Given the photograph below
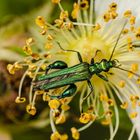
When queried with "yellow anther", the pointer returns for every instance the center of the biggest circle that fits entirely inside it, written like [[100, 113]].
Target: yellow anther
[[106, 17], [39, 92], [132, 28], [65, 107], [129, 40], [110, 102], [127, 13], [32, 67], [75, 133], [55, 1], [31, 109], [138, 81], [18, 66], [90, 109], [59, 22], [43, 32], [27, 49], [124, 105], [133, 115], [40, 21], [103, 97], [84, 4], [97, 27], [125, 31], [60, 119], [138, 35], [106, 122], [47, 56], [122, 83], [113, 6], [86, 117], [58, 136], [132, 20], [29, 41], [64, 15], [113, 15], [35, 56], [46, 97], [48, 45], [109, 113], [43, 66], [54, 104], [75, 10], [130, 75], [134, 67], [50, 37], [11, 68], [130, 47], [134, 98], [69, 25], [20, 100], [30, 74]]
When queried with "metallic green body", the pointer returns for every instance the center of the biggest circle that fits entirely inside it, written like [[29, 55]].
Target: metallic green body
[[67, 76]]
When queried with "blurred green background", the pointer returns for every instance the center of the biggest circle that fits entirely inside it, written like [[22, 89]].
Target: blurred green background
[[16, 24]]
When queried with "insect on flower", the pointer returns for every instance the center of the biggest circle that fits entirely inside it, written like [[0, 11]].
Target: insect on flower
[[92, 58]]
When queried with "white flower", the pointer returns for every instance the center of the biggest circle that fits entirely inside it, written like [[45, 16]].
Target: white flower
[[103, 30]]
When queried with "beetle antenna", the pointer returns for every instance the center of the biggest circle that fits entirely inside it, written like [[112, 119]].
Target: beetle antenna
[[128, 71], [64, 49], [117, 41]]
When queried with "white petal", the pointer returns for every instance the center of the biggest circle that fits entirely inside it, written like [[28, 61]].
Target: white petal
[[102, 5]]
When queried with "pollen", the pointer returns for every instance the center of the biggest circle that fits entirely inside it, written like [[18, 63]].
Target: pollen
[[58, 136], [97, 27], [31, 109], [54, 104], [110, 102], [27, 49], [133, 115], [84, 5], [35, 56], [11, 68], [64, 15], [55, 1], [128, 13], [125, 31], [134, 67], [50, 37], [39, 92], [103, 97], [106, 17], [86, 117], [113, 6], [40, 21], [75, 133], [132, 20], [29, 41], [20, 99], [75, 10], [60, 119], [46, 97], [113, 15], [138, 35], [106, 122], [65, 107], [124, 105], [122, 83], [138, 81], [32, 67], [48, 45]]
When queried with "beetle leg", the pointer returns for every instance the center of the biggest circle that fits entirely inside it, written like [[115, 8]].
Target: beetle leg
[[91, 90], [56, 65], [78, 53], [102, 77], [67, 93]]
